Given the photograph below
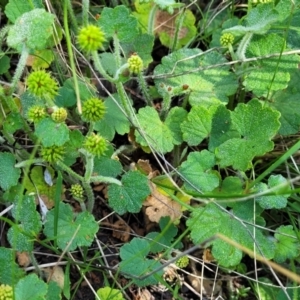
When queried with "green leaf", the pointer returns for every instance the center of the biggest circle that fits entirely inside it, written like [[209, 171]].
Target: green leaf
[[84, 225], [10, 272], [13, 122], [207, 221], [106, 166], [9, 175], [24, 211], [16, 8], [270, 74], [287, 247], [54, 291], [30, 288], [282, 192], [4, 64], [114, 119], [107, 293], [256, 124], [162, 136], [118, 22], [197, 125], [258, 21], [51, 133], [32, 29], [134, 262], [130, 196], [203, 86], [196, 172]]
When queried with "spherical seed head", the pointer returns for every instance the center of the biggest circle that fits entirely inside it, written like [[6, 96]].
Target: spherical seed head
[[182, 262], [226, 39], [53, 153], [93, 110], [135, 64], [95, 144], [40, 84], [59, 115], [36, 113], [6, 292], [76, 191], [90, 38]]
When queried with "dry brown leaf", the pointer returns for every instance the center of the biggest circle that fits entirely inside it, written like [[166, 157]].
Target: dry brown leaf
[[121, 231], [55, 274], [145, 295], [207, 256], [158, 205], [23, 259]]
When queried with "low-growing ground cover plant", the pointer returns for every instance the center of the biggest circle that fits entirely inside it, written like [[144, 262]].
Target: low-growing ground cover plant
[[149, 149]]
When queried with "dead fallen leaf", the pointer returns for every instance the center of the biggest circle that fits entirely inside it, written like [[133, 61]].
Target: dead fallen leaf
[[55, 274], [121, 231], [207, 256], [23, 259], [158, 205]]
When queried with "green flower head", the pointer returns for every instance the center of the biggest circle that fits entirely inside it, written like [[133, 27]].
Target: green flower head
[[41, 84], [95, 144], [77, 191], [226, 39], [6, 292], [53, 153], [59, 115], [93, 110], [36, 113], [90, 38], [135, 64], [182, 262]]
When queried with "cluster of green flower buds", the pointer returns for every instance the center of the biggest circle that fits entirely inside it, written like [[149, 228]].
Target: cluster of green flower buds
[[52, 154], [93, 109], [77, 191], [135, 64], [90, 38], [182, 262], [6, 292], [36, 113], [59, 115], [95, 144], [226, 39]]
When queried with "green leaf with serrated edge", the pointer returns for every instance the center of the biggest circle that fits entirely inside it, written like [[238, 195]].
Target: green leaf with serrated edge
[[256, 124], [114, 119], [53, 292], [287, 103], [222, 128], [197, 126], [51, 133], [159, 241], [75, 142], [196, 171], [9, 175], [109, 64], [130, 196], [15, 8], [13, 122], [162, 136], [207, 221], [118, 22], [287, 247], [84, 225], [10, 272], [284, 9], [258, 20], [30, 288], [273, 201], [134, 262], [142, 45], [203, 86], [30, 223], [32, 29], [4, 64], [270, 74], [107, 293]]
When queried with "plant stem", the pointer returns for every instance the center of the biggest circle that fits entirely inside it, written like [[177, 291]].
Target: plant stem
[[241, 51], [90, 196], [99, 67], [65, 168], [144, 88], [85, 12], [68, 9]]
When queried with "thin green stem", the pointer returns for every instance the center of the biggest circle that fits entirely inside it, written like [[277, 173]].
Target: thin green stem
[[241, 51], [90, 196], [151, 20], [68, 10], [68, 170], [144, 88], [71, 56], [85, 12], [117, 51]]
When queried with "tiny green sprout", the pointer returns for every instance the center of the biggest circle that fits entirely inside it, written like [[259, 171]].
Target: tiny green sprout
[[77, 191], [182, 262], [95, 144], [6, 292], [135, 64], [90, 38], [59, 115], [93, 109], [36, 113], [226, 39], [40, 84], [53, 153]]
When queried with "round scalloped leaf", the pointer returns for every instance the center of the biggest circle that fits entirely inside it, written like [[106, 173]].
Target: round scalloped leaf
[[107, 293], [273, 73], [162, 136], [9, 175], [51, 133], [204, 86], [32, 29], [130, 196], [118, 21]]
